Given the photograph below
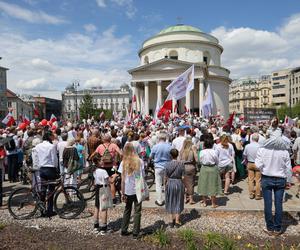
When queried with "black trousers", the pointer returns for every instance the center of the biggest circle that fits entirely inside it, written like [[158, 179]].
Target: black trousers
[[12, 162], [130, 199], [48, 174]]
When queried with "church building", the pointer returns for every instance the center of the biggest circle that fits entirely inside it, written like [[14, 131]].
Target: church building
[[168, 54]]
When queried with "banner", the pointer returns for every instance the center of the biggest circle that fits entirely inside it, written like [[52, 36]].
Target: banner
[[258, 114], [182, 84]]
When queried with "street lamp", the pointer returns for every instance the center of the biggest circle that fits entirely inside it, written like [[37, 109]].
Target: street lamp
[[75, 85]]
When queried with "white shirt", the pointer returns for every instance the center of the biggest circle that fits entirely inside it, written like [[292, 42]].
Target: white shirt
[[261, 139], [208, 157], [274, 163], [250, 151], [45, 155], [178, 142], [60, 149], [101, 176], [225, 155], [130, 180]]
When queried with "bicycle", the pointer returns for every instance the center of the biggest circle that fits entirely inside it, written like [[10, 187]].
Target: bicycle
[[149, 173], [86, 186], [24, 202]]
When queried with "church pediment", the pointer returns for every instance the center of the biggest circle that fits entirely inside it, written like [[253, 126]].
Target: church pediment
[[165, 64]]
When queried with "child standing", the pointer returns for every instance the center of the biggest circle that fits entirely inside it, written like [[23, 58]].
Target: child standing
[[103, 199]]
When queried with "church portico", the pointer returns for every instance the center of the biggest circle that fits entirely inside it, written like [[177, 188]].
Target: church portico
[[157, 71]]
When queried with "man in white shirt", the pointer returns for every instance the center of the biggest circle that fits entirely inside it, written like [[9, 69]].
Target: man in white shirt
[[254, 174], [178, 142], [60, 149], [275, 166], [45, 157]]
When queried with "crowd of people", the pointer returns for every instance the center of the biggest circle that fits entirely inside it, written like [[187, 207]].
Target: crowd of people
[[187, 152]]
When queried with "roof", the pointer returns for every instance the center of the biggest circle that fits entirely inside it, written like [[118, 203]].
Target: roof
[[9, 93], [179, 28]]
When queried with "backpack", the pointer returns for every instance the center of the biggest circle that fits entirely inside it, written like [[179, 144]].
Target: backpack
[[10, 145], [107, 158]]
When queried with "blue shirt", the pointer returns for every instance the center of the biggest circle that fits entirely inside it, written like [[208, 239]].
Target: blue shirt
[[160, 154]]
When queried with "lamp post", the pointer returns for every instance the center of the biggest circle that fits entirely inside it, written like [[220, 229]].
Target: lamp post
[[75, 85]]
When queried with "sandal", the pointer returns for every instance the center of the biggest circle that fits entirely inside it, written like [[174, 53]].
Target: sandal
[[215, 206], [204, 204], [192, 202]]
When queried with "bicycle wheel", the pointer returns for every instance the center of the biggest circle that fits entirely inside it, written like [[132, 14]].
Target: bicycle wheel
[[69, 202], [149, 177], [22, 204], [87, 189]]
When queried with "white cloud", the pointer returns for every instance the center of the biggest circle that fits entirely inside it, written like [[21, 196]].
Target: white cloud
[[101, 3], [35, 84], [49, 65], [250, 51], [130, 9], [44, 65], [90, 27], [27, 15]]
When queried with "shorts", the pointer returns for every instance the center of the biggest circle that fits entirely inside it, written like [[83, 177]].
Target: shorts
[[97, 201], [226, 169], [110, 171]]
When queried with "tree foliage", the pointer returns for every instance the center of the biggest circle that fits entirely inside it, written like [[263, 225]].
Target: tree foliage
[[87, 109], [286, 110]]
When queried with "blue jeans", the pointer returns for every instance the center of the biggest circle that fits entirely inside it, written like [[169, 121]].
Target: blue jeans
[[270, 185]]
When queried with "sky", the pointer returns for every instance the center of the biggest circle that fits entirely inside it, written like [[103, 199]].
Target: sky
[[47, 44]]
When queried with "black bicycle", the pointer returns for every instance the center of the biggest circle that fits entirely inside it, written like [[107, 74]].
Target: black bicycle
[[24, 202], [149, 173]]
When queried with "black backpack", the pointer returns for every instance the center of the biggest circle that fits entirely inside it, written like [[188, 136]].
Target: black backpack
[[10, 145]]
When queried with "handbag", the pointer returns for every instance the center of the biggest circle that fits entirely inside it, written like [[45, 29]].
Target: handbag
[[142, 191], [105, 198], [73, 164]]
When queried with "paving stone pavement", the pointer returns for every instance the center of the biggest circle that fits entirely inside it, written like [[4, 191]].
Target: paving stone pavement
[[237, 200]]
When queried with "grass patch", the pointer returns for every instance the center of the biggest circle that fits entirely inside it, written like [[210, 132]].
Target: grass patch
[[188, 236], [2, 226], [217, 241], [160, 237]]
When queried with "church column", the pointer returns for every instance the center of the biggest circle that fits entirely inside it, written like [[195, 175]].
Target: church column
[[188, 101], [134, 93], [146, 85], [159, 91], [201, 94]]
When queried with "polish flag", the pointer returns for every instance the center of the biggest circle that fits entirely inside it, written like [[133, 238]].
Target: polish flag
[[8, 120], [53, 118], [26, 120], [35, 111]]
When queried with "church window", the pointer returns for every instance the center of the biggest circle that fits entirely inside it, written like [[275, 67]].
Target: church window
[[146, 60], [173, 55], [206, 57]]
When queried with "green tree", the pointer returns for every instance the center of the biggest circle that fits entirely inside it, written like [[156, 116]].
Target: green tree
[[86, 108]]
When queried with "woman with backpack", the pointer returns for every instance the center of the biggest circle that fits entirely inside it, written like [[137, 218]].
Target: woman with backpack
[[109, 153]]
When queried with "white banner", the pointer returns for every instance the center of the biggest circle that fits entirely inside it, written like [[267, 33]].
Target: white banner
[[182, 84]]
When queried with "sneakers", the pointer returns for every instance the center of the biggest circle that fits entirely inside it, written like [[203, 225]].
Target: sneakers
[[125, 233], [159, 204], [251, 196], [102, 232]]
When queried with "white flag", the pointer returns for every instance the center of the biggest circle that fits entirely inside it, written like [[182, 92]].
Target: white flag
[[158, 104], [182, 84], [207, 104]]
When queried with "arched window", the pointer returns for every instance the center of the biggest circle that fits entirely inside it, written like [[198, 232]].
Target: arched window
[[173, 55], [146, 60], [206, 57]]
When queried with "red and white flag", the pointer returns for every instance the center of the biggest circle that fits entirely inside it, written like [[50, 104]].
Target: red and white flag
[[289, 122], [8, 120], [35, 111], [26, 120], [183, 84], [53, 118]]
